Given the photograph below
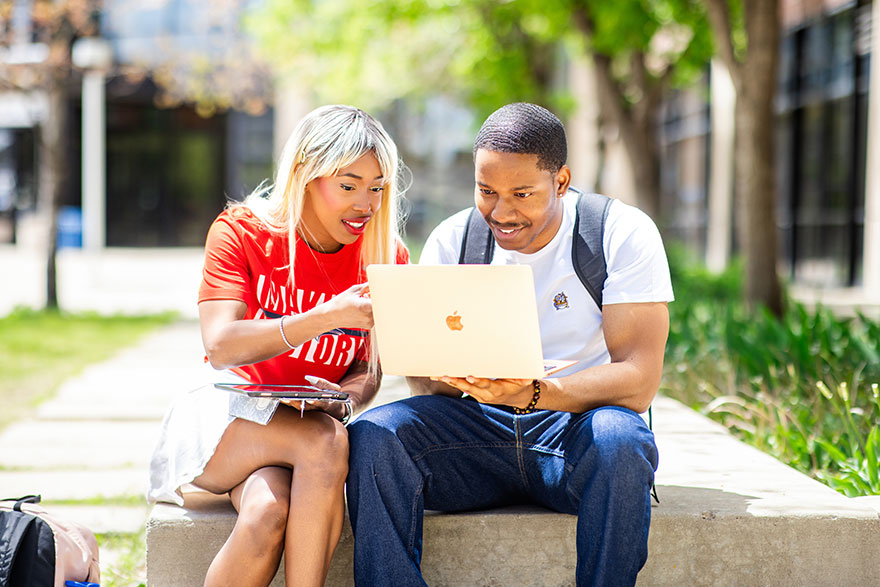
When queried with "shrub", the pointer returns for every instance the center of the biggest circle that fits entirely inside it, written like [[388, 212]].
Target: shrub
[[803, 388]]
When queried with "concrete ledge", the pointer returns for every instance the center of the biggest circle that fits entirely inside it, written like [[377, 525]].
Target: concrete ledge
[[729, 515]]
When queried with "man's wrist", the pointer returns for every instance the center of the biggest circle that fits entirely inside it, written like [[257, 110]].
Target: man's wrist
[[533, 401]]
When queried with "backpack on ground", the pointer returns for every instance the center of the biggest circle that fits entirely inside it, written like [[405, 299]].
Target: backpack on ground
[[38, 549], [587, 249]]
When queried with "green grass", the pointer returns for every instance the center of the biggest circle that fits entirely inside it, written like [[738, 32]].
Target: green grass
[[804, 387], [123, 559], [40, 349], [116, 500]]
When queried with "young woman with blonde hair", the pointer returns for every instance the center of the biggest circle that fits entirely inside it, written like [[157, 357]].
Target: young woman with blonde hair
[[283, 300]]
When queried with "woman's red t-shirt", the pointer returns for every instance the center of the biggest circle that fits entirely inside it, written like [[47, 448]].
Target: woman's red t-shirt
[[246, 261]]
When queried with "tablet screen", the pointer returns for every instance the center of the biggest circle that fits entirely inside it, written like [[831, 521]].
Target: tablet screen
[[303, 392]]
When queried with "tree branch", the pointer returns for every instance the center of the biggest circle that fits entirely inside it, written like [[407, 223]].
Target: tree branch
[[719, 17], [638, 70], [611, 94], [652, 93], [612, 100]]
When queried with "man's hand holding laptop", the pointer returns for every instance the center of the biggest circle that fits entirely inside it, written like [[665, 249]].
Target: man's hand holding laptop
[[510, 392]]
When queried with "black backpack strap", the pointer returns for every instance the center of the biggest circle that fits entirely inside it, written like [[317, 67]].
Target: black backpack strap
[[588, 258], [651, 428], [477, 243], [25, 499], [587, 253]]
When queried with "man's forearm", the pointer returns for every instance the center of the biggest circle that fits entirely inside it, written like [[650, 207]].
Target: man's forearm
[[424, 386]]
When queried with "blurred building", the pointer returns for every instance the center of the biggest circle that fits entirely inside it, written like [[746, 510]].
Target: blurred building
[[169, 166], [822, 149], [165, 166], [162, 165]]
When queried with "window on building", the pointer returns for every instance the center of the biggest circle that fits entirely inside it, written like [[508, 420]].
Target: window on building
[[18, 186], [821, 148]]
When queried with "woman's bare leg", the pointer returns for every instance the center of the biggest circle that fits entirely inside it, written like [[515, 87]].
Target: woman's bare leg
[[251, 554], [315, 447]]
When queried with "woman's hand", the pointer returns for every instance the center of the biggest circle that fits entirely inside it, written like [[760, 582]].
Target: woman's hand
[[336, 409], [350, 309]]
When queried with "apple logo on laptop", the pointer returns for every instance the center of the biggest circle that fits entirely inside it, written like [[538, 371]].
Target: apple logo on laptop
[[453, 321]]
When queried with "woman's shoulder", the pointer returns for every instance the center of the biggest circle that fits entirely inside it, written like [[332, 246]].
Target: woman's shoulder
[[239, 227], [238, 214], [241, 219]]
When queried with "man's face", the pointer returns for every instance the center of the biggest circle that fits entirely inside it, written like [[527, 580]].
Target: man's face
[[521, 203]]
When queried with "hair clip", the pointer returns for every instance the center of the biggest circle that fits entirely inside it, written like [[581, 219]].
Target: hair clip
[[302, 156]]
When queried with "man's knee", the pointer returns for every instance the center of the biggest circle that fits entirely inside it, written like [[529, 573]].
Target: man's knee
[[620, 435], [374, 433], [612, 444], [385, 440]]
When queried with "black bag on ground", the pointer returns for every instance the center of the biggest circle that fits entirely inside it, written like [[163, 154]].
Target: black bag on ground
[[27, 548]]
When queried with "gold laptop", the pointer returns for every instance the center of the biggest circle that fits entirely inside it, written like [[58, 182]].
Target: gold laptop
[[457, 320]]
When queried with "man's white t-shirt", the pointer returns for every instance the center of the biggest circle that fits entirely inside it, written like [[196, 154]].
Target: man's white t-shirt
[[570, 321]]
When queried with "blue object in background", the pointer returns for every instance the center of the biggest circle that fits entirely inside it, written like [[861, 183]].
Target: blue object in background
[[80, 584], [69, 227]]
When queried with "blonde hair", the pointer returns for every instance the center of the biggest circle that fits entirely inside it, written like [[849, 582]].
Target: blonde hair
[[326, 140]]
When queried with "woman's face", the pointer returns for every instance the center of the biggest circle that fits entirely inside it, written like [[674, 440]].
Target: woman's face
[[337, 208]]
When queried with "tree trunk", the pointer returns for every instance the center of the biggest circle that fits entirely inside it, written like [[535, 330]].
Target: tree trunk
[[756, 198], [53, 168], [754, 77], [644, 157], [637, 132], [755, 156]]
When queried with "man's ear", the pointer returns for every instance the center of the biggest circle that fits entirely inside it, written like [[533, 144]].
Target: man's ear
[[563, 180]]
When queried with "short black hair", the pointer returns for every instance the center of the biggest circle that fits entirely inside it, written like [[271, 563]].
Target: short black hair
[[528, 129]]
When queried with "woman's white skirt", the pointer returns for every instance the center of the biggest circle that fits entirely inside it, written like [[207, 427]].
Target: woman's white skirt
[[190, 433]]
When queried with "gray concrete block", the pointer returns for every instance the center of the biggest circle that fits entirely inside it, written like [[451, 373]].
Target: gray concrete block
[[529, 546], [510, 546], [709, 537], [729, 515]]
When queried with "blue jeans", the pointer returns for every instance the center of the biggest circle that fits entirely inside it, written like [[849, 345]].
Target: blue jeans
[[451, 454]]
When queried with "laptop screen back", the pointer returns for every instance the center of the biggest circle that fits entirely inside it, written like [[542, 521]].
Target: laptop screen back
[[456, 320]]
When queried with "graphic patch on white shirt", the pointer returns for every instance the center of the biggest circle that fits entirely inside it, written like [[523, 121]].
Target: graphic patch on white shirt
[[560, 301]]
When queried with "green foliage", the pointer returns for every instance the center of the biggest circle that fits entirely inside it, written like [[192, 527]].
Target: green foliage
[[803, 388], [485, 52], [39, 349]]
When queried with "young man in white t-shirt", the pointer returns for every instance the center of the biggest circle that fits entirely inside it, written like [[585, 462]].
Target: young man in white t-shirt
[[573, 442]]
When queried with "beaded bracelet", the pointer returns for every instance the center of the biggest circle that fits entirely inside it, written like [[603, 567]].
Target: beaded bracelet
[[284, 336], [536, 385]]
